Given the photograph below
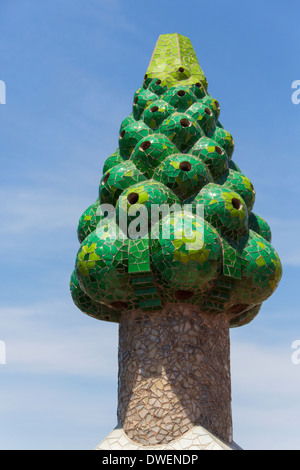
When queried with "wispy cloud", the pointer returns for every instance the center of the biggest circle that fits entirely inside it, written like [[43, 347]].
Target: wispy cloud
[[262, 427], [265, 387], [265, 383], [261, 369], [80, 346], [61, 373], [32, 210]]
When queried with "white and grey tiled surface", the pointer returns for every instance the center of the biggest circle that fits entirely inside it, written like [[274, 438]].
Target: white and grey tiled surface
[[195, 439]]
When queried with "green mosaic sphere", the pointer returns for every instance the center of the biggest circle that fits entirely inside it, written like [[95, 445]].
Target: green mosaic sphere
[[180, 97], [224, 209], [204, 116], [130, 137], [182, 130], [238, 182], [260, 226], [142, 98], [214, 156], [141, 198], [102, 268], [90, 307], [89, 221], [184, 174], [128, 120], [261, 272], [116, 180], [156, 113], [147, 80], [198, 90], [151, 151], [212, 104], [158, 86], [224, 139], [186, 263], [113, 160]]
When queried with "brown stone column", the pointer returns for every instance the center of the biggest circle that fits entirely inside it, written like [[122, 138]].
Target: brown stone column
[[174, 373]]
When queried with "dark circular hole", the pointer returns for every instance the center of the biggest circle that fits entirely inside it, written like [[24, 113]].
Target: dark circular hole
[[238, 308], [132, 198], [145, 77], [208, 111], [122, 134], [236, 203], [185, 166], [185, 122], [219, 150], [158, 82], [105, 178], [108, 214], [181, 93], [198, 85], [181, 69], [119, 305], [135, 100], [154, 109], [217, 104], [145, 145], [183, 294]]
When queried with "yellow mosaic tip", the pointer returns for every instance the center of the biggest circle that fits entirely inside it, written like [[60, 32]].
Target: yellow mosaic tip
[[174, 60]]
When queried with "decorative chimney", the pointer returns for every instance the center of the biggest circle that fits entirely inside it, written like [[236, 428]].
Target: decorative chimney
[[173, 252]]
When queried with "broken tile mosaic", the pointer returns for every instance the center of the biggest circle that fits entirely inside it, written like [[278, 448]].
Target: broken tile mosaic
[[173, 149], [178, 283]]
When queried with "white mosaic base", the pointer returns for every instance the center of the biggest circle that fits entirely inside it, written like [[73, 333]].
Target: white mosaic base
[[195, 439]]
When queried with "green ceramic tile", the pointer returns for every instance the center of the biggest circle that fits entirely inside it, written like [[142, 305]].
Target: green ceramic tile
[[173, 150]]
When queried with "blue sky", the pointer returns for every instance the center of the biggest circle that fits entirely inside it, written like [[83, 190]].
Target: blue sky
[[71, 68]]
